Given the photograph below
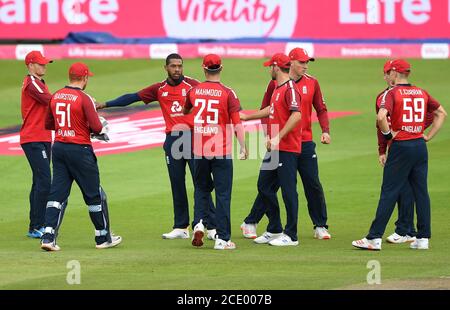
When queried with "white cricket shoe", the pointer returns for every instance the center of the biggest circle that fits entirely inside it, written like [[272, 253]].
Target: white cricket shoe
[[249, 230], [321, 233], [224, 245], [211, 234], [419, 244], [366, 244], [396, 238], [115, 240], [49, 246], [197, 236], [266, 237], [283, 240], [177, 233]]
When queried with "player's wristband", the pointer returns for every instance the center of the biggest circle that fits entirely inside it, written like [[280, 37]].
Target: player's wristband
[[387, 135]]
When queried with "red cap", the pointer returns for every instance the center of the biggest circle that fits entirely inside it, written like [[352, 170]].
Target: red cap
[[212, 62], [36, 57], [387, 66], [300, 54], [80, 69], [400, 66], [280, 60]]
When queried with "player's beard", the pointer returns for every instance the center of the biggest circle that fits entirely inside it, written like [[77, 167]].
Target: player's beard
[[178, 80]]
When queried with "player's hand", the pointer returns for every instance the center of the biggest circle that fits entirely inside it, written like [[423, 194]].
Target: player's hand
[[242, 116], [100, 105], [325, 138], [272, 143], [425, 137], [394, 133], [382, 159], [243, 155]]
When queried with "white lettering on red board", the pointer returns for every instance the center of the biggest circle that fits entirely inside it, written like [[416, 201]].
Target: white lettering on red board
[[54, 11], [415, 12], [229, 19]]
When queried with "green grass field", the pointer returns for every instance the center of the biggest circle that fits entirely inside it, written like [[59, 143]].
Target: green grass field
[[141, 207]]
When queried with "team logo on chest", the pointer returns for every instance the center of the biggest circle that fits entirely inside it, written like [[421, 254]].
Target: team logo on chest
[[305, 89], [183, 92], [165, 94], [277, 97], [176, 107]]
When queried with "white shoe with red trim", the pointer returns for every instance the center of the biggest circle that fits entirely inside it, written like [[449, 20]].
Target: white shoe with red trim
[[366, 244], [249, 230], [321, 233]]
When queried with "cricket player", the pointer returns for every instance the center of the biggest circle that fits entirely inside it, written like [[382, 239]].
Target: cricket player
[[407, 106], [35, 140], [73, 116], [307, 168], [404, 226], [171, 95], [215, 108], [285, 142]]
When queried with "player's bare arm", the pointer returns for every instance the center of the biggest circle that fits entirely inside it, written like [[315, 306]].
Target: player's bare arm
[[257, 115], [439, 117], [384, 125], [382, 159], [240, 135]]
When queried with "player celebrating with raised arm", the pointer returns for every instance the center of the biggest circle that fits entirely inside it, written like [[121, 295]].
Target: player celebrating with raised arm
[[285, 142], [407, 106], [307, 165], [171, 95], [35, 140], [73, 116], [215, 108]]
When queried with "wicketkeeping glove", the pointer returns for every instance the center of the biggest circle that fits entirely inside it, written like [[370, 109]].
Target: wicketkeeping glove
[[103, 135]]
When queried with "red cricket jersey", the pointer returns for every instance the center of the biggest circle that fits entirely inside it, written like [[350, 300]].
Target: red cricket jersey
[[408, 107], [34, 104], [213, 105], [382, 142], [311, 95], [285, 100], [266, 99], [171, 98], [73, 116]]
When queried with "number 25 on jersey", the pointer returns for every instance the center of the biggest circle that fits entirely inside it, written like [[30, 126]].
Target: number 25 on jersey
[[210, 109]]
